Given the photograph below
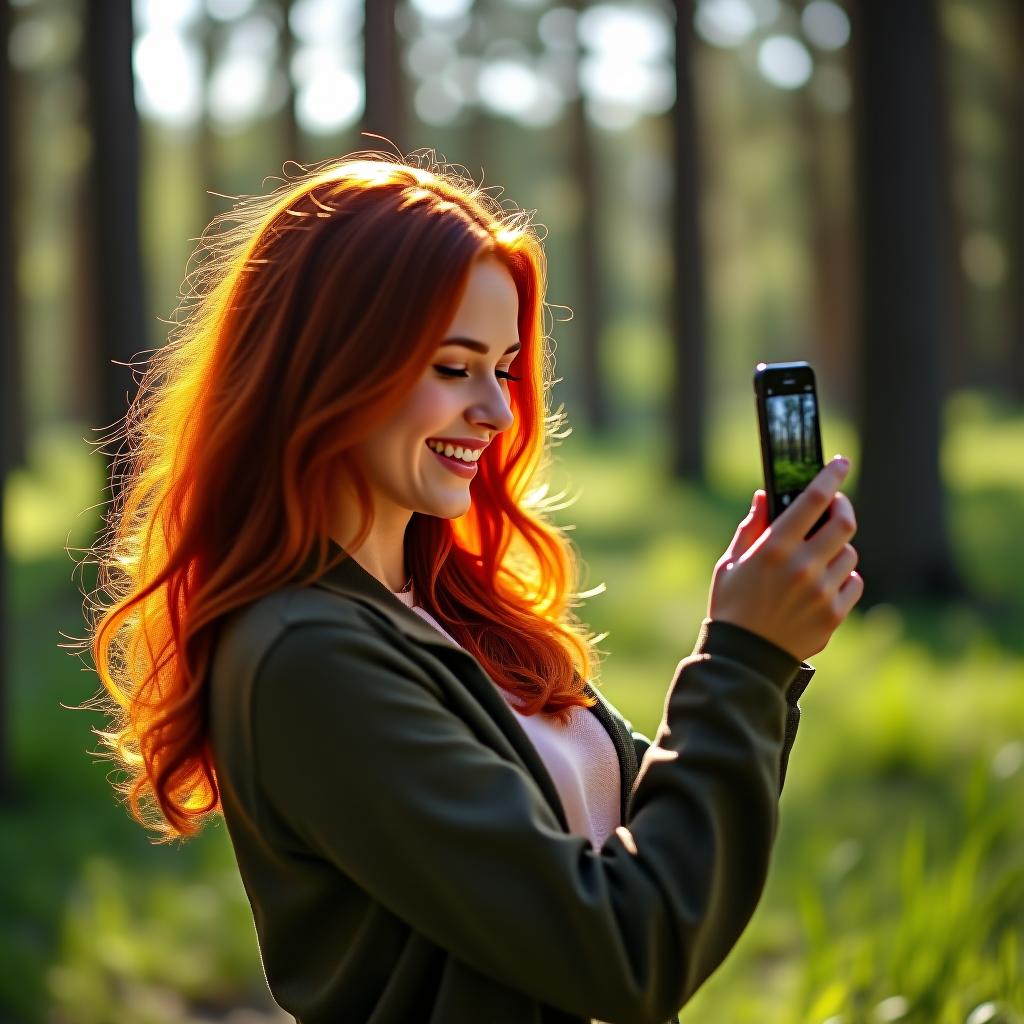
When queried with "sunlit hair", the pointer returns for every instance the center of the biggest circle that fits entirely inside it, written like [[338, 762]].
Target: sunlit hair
[[305, 326]]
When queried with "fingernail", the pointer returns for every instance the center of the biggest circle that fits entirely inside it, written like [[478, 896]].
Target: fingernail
[[841, 461]]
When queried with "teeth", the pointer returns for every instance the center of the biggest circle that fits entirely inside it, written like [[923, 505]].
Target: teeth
[[458, 452]]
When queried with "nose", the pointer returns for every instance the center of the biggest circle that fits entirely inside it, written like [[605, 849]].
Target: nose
[[495, 413]]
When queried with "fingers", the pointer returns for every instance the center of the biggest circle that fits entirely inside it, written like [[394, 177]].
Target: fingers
[[795, 523], [837, 571], [837, 531], [749, 529], [849, 594]]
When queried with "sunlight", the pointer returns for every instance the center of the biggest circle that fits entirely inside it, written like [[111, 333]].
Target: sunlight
[[228, 10], [508, 86], [326, 22], [633, 33], [332, 100], [238, 90], [825, 24], [784, 61], [165, 13], [167, 76], [725, 23], [442, 9], [632, 88], [625, 71]]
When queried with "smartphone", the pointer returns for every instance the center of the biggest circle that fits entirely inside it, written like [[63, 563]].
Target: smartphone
[[787, 417]]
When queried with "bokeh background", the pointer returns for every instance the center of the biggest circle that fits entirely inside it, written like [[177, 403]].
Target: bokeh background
[[720, 182]]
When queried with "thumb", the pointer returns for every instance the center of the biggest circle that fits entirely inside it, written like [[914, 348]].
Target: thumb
[[750, 528]]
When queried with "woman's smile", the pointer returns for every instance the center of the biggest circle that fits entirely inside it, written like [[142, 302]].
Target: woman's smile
[[467, 470]]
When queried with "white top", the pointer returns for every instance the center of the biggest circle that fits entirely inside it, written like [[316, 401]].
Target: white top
[[580, 757]]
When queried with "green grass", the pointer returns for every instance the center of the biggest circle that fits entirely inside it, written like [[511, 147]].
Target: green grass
[[896, 891]]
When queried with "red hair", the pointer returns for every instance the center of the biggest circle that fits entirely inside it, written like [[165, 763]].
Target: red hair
[[293, 349]]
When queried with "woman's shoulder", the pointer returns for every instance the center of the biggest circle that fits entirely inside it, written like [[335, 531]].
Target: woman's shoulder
[[250, 632]]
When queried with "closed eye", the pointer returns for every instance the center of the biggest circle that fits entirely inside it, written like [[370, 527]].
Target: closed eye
[[451, 371]]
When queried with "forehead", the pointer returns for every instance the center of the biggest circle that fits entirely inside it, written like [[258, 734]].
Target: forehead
[[489, 302]]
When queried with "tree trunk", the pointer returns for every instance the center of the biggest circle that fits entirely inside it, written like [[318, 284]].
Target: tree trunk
[[85, 362], [206, 147], [832, 312], [13, 412], [114, 183], [382, 77], [15, 426], [902, 537], [293, 148], [480, 141], [587, 309], [687, 405], [963, 367], [1015, 351]]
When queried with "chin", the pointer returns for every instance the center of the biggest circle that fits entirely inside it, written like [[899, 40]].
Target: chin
[[453, 513], [452, 509]]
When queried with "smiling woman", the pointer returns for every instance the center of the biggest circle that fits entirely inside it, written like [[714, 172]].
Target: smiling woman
[[339, 616], [340, 301]]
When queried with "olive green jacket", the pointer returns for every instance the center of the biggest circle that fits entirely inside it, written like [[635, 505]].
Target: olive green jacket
[[405, 851]]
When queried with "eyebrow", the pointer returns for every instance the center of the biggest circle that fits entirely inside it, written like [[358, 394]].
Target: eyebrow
[[478, 346]]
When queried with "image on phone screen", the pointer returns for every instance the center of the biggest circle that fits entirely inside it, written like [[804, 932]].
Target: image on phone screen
[[793, 438]]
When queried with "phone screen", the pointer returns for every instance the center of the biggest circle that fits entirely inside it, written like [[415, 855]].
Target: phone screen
[[787, 406], [793, 438]]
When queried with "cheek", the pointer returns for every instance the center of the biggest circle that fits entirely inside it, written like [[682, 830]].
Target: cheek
[[430, 408]]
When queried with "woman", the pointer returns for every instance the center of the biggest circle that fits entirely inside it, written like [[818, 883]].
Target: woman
[[342, 619]]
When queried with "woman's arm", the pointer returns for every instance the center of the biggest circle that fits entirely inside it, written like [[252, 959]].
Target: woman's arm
[[641, 743], [360, 756]]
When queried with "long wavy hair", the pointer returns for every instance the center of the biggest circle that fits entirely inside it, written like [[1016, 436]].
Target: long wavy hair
[[308, 319]]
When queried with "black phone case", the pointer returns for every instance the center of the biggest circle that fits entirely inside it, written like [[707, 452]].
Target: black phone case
[[761, 372]]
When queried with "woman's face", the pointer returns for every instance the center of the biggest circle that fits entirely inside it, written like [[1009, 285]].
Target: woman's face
[[461, 396]]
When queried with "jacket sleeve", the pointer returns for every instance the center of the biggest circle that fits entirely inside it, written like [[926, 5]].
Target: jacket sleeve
[[357, 751], [793, 692], [642, 743]]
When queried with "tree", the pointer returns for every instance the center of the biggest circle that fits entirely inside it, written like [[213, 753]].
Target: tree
[[10, 343], [209, 33], [113, 181], [903, 215], [14, 446], [829, 227], [1015, 375], [286, 51], [588, 308], [687, 410], [382, 74], [478, 137]]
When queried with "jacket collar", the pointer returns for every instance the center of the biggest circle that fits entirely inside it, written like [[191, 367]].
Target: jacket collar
[[350, 579]]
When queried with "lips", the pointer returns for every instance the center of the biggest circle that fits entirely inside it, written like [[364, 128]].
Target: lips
[[472, 443], [464, 469]]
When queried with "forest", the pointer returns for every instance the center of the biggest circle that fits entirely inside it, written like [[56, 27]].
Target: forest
[[719, 183]]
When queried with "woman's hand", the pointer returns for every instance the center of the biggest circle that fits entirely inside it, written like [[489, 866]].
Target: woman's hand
[[792, 591]]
